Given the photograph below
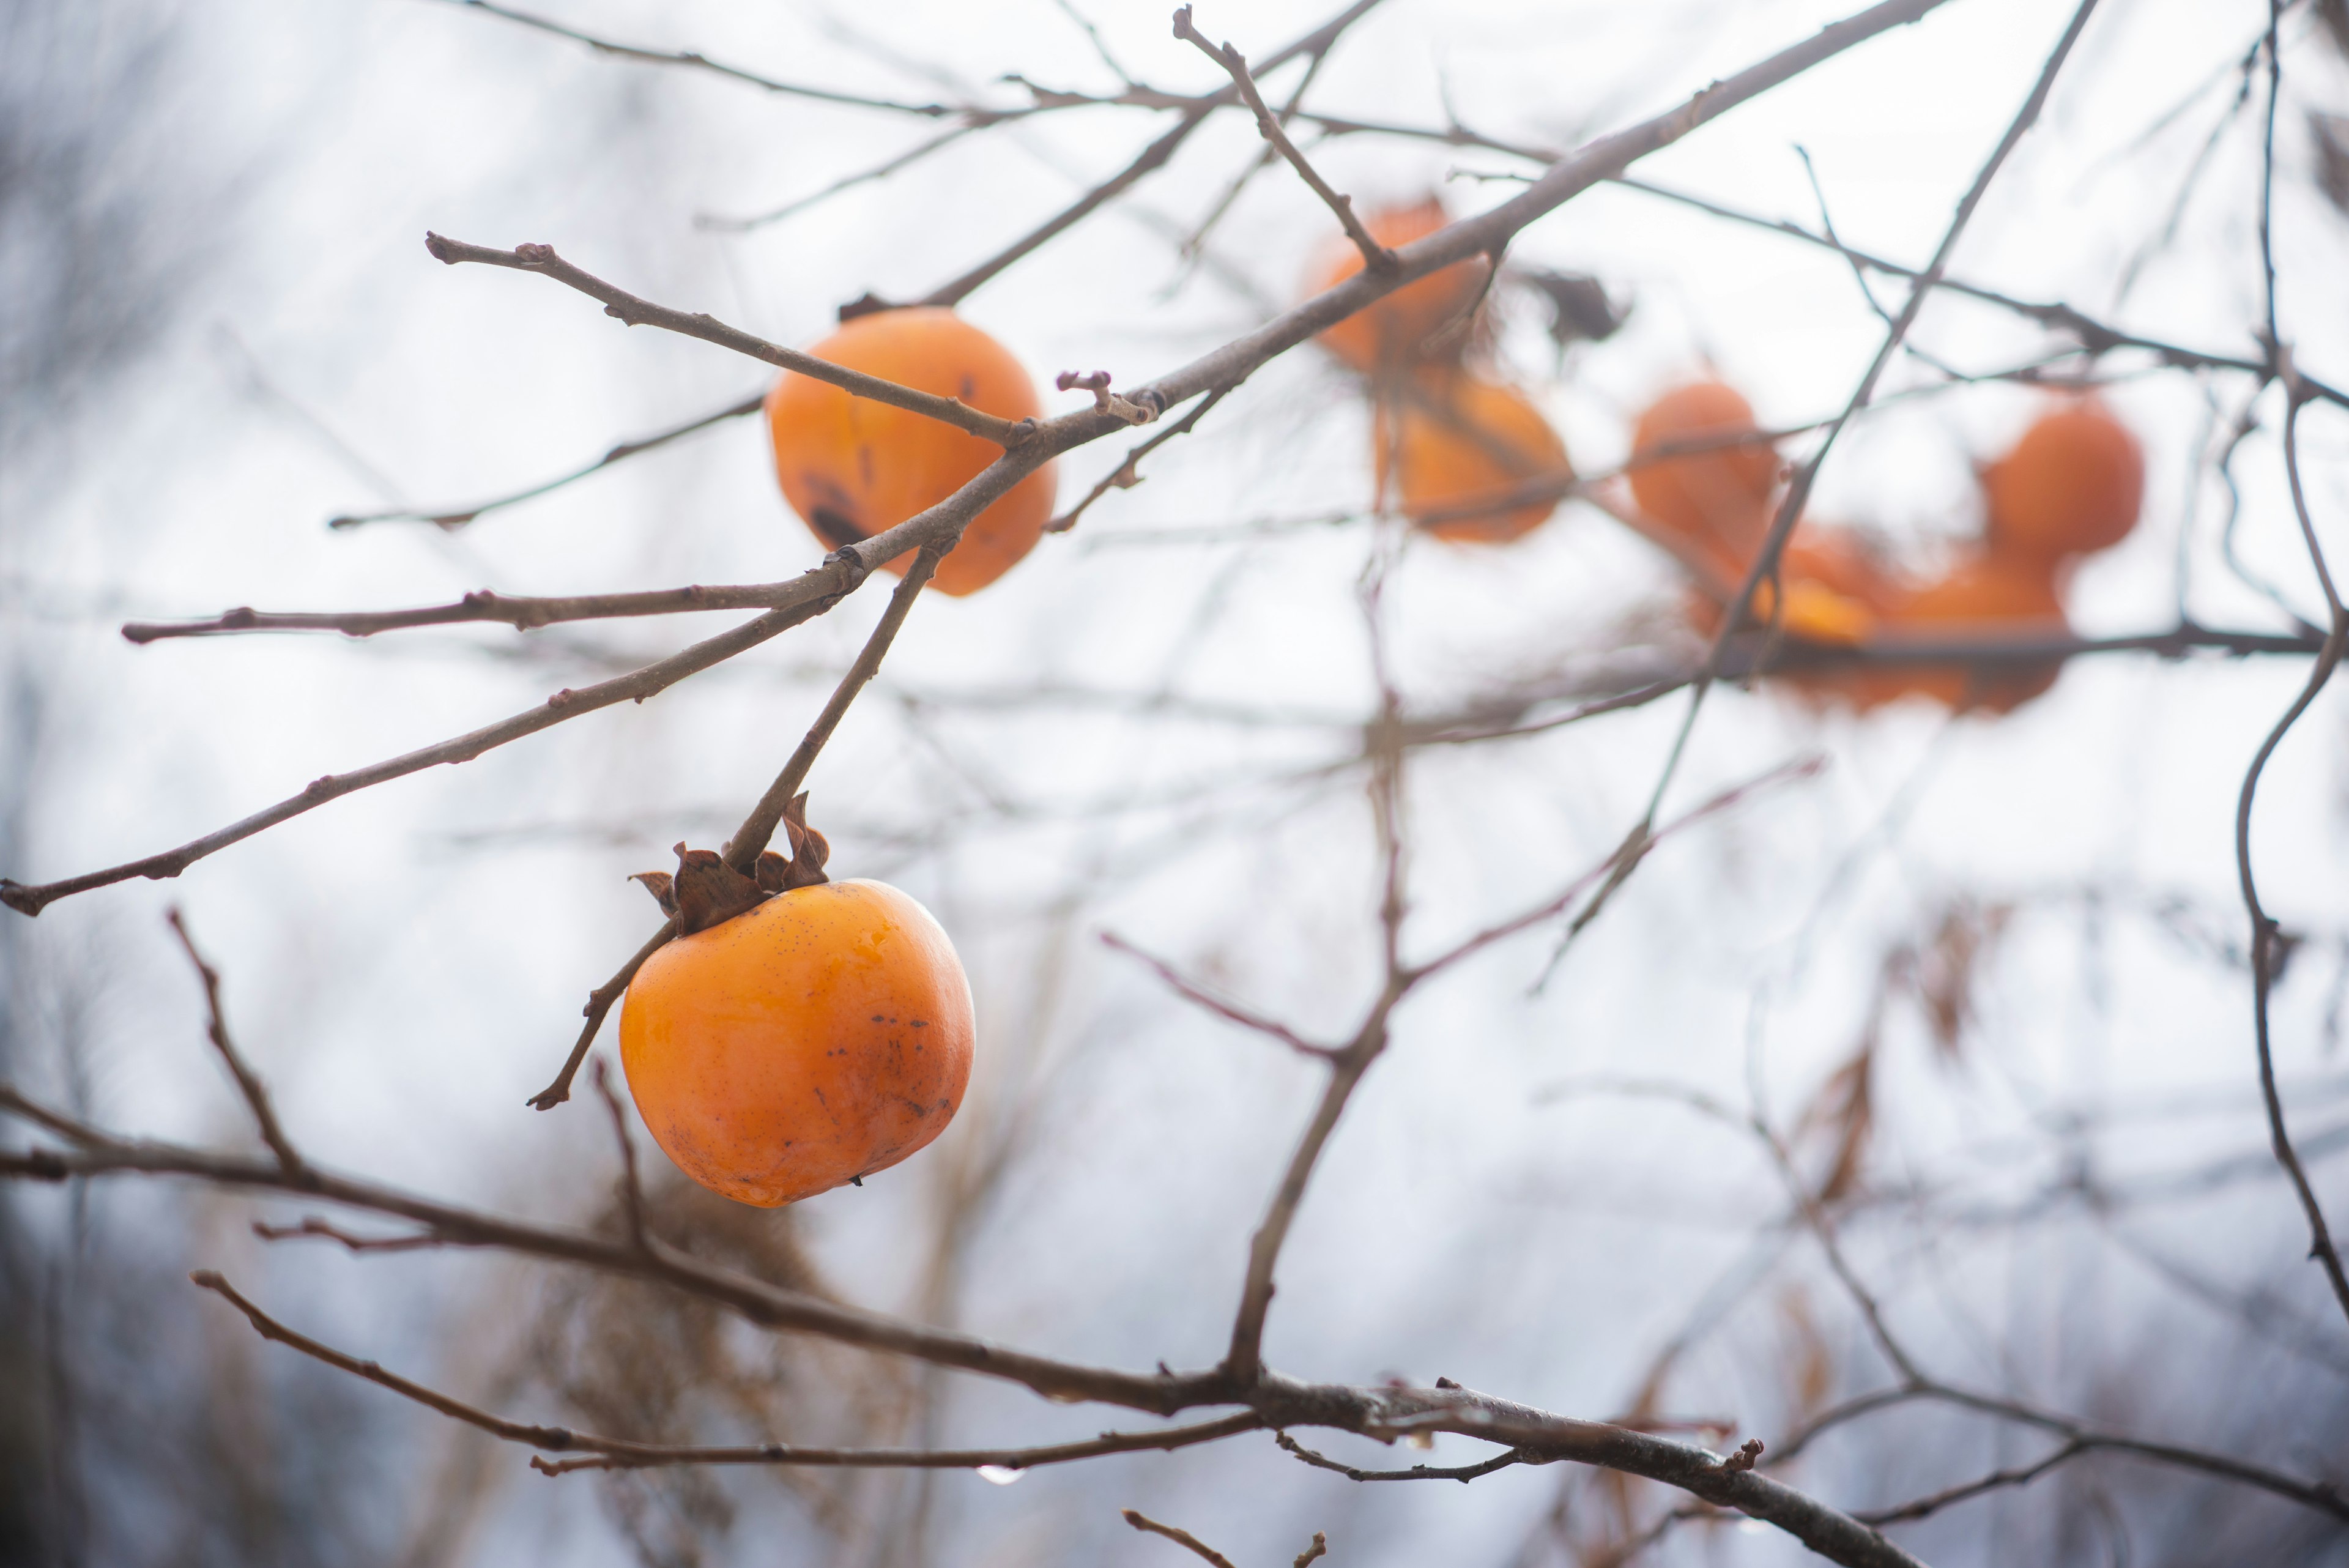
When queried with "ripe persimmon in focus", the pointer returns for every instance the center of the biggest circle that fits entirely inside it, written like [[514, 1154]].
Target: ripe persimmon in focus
[[1394, 333], [1986, 595], [1718, 498], [1454, 441], [852, 468], [822, 1035], [2072, 484]]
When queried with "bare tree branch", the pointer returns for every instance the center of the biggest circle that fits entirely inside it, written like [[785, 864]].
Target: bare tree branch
[[1460, 1473], [248, 1083], [632, 1192], [520, 612], [837, 577], [1183, 1538], [1148, 161], [459, 517], [1764, 564], [2266, 951], [757, 828], [634, 312], [1384, 1411], [690, 60], [943, 522], [1219, 1006], [600, 1001], [880, 170], [2095, 336], [619, 1453], [1126, 475], [1996, 1481], [1375, 257]]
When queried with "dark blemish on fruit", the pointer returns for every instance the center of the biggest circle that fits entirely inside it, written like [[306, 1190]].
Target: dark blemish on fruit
[[838, 531], [878, 1018], [921, 1024], [864, 465], [970, 388]]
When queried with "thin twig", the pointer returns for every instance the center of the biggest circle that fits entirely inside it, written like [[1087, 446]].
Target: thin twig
[[2265, 950], [2096, 337], [1384, 1411], [314, 1228], [635, 312], [1244, 1360], [844, 569], [1194, 248], [1460, 1473], [1126, 475], [599, 1006], [1013, 1460], [1375, 257], [2323, 1497], [1182, 1538], [693, 61], [1195, 113], [941, 523], [522, 612], [1222, 1008], [632, 1191], [1764, 566], [880, 170], [248, 1083], [1786, 773], [1995, 1482], [742, 850], [619, 1453], [459, 517]]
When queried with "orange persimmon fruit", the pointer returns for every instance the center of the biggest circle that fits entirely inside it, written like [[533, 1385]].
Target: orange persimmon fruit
[[852, 468], [1394, 333], [1454, 443], [1835, 593], [822, 1035], [1989, 595], [1716, 498], [2072, 484]]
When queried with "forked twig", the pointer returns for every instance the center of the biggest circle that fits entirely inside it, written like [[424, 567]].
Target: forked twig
[[1375, 257], [758, 830], [248, 1083]]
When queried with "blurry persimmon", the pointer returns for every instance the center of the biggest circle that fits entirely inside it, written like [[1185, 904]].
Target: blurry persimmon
[[852, 468], [2072, 484], [1852, 596], [1834, 557], [1454, 446], [1394, 332], [1835, 593], [820, 1035], [1990, 595], [1717, 497]]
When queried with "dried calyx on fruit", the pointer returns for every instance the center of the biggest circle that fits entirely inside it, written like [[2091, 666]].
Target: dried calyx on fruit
[[799, 1034], [705, 891]]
